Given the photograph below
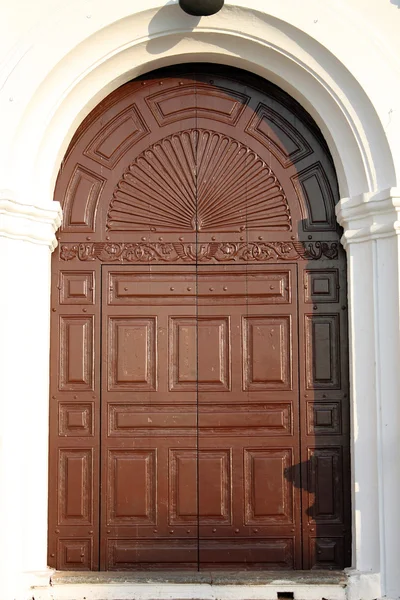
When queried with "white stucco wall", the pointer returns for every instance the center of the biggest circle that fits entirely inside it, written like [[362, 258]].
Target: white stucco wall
[[341, 60]]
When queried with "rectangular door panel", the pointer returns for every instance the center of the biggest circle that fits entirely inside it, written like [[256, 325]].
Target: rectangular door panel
[[149, 512], [255, 423]]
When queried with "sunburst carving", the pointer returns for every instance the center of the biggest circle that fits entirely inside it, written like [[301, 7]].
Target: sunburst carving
[[202, 181]]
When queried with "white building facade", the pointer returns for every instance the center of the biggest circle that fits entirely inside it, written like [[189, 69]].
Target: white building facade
[[341, 61]]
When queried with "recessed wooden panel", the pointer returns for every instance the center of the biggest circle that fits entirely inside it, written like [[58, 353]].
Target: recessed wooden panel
[[117, 137], [327, 553], [75, 491], [143, 288], [322, 351], [132, 487], [197, 101], [76, 419], [325, 485], [183, 491], [269, 553], [132, 358], [124, 554], [268, 493], [74, 554], [76, 287], [81, 199], [266, 353], [246, 419], [324, 418], [147, 420], [199, 357], [215, 485], [321, 286], [200, 478], [76, 353], [316, 199], [280, 137]]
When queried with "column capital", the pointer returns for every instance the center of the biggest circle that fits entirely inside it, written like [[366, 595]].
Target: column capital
[[369, 216], [27, 222]]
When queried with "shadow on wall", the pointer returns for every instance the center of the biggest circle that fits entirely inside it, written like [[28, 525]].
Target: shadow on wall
[[395, 2], [169, 18]]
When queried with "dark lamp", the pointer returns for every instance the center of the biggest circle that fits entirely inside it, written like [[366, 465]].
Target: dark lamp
[[201, 8]]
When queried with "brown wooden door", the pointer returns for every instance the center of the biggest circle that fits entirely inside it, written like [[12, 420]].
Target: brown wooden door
[[199, 382]]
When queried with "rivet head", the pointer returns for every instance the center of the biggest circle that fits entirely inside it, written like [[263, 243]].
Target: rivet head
[[143, 239], [154, 530], [75, 397], [152, 228], [315, 307], [52, 554], [189, 289], [181, 239], [107, 238], [188, 531], [53, 397], [171, 531], [160, 239], [241, 238], [214, 530], [108, 530], [53, 309], [88, 238], [57, 531], [271, 287], [293, 237], [310, 237], [211, 289], [90, 531], [225, 288], [255, 530], [125, 289], [172, 289], [213, 238], [84, 309], [260, 237], [236, 530]]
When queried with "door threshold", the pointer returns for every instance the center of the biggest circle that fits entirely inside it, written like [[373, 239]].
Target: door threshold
[[185, 585]]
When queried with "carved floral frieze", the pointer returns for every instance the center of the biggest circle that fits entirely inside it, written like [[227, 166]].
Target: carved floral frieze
[[171, 252]]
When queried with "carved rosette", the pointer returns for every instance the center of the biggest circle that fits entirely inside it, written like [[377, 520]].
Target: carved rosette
[[214, 252]]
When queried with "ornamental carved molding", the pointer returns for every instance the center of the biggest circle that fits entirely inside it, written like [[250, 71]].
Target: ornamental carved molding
[[213, 252]]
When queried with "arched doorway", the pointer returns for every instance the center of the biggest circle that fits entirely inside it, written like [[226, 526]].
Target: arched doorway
[[199, 384]]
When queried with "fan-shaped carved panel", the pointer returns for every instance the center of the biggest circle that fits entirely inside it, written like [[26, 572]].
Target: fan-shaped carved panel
[[198, 180]]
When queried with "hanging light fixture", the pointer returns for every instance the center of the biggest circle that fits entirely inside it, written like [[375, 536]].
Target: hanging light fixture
[[201, 8]]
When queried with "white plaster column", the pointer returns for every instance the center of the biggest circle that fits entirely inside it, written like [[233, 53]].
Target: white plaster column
[[27, 237], [372, 243]]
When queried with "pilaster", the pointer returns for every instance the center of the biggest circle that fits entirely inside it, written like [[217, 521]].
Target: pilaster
[[371, 239], [27, 237]]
